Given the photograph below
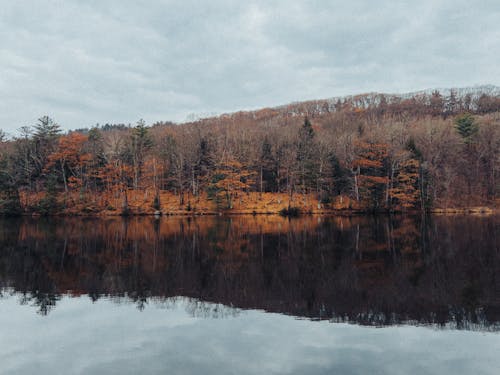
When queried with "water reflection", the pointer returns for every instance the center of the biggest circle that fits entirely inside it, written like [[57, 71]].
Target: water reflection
[[368, 270], [111, 337]]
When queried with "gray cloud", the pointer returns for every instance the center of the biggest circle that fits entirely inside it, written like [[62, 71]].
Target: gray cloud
[[118, 61]]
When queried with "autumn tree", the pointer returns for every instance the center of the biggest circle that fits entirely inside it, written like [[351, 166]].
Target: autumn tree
[[370, 174], [404, 193], [116, 177], [436, 103], [452, 104], [95, 148], [487, 104], [423, 173], [10, 203], [70, 160], [230, 178], [177, 178], [134, 152], [488, 159], [202, 165]]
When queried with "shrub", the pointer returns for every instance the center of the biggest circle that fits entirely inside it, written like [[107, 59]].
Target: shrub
[[325, 199], [10, 207], [47, 206], [290, 212], [126, 211]]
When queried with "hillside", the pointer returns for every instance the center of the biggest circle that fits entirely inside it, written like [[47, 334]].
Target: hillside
[[428, 150], [472, 99]]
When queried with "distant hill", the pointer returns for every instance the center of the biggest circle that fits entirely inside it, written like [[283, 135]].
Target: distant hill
[[460, 99], [474, 91]]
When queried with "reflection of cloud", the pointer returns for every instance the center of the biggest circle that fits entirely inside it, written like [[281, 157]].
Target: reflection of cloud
[[117, 61], [102, 338]]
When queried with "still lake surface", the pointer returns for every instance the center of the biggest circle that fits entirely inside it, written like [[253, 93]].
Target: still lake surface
[[250, 295]]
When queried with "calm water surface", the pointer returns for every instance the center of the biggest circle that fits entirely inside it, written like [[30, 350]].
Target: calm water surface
[[250, 295]]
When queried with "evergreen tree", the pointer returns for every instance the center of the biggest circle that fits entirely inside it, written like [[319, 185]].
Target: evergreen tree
[[10, 204], [466, 127], [203, 165], [95, 147], [267, 167], [341, 177], [306, 156], [46, 129], [49, 205], [45, 140]]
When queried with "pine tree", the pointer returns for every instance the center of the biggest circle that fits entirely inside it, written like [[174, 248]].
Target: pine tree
[[466, 127], [267, 168], [10, 203], [46, 129], [45, 139], [306, 156]]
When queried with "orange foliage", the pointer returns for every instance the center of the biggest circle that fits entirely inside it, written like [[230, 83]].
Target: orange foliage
[[405, 191]]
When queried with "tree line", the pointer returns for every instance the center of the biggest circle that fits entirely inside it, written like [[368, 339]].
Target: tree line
[[370, 153]]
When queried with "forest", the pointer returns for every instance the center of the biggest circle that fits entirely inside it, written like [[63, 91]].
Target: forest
[[365, 153]]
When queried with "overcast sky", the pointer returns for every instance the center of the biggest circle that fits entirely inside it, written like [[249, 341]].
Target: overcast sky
[[87, 62]]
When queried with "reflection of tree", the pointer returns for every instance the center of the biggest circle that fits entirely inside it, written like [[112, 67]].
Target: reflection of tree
[[370, 270], [140, 298], [44, 301], [202, 309]]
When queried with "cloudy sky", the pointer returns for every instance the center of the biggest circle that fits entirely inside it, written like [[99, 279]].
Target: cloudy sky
[[95, 61]]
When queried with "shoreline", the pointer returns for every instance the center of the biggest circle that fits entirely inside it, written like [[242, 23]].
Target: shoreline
[[252, 203], [472, 211]]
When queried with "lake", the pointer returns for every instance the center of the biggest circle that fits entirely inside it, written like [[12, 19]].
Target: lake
[[250, 295]]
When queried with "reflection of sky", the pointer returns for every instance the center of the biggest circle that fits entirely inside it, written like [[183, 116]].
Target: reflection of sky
[[79, 337]]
